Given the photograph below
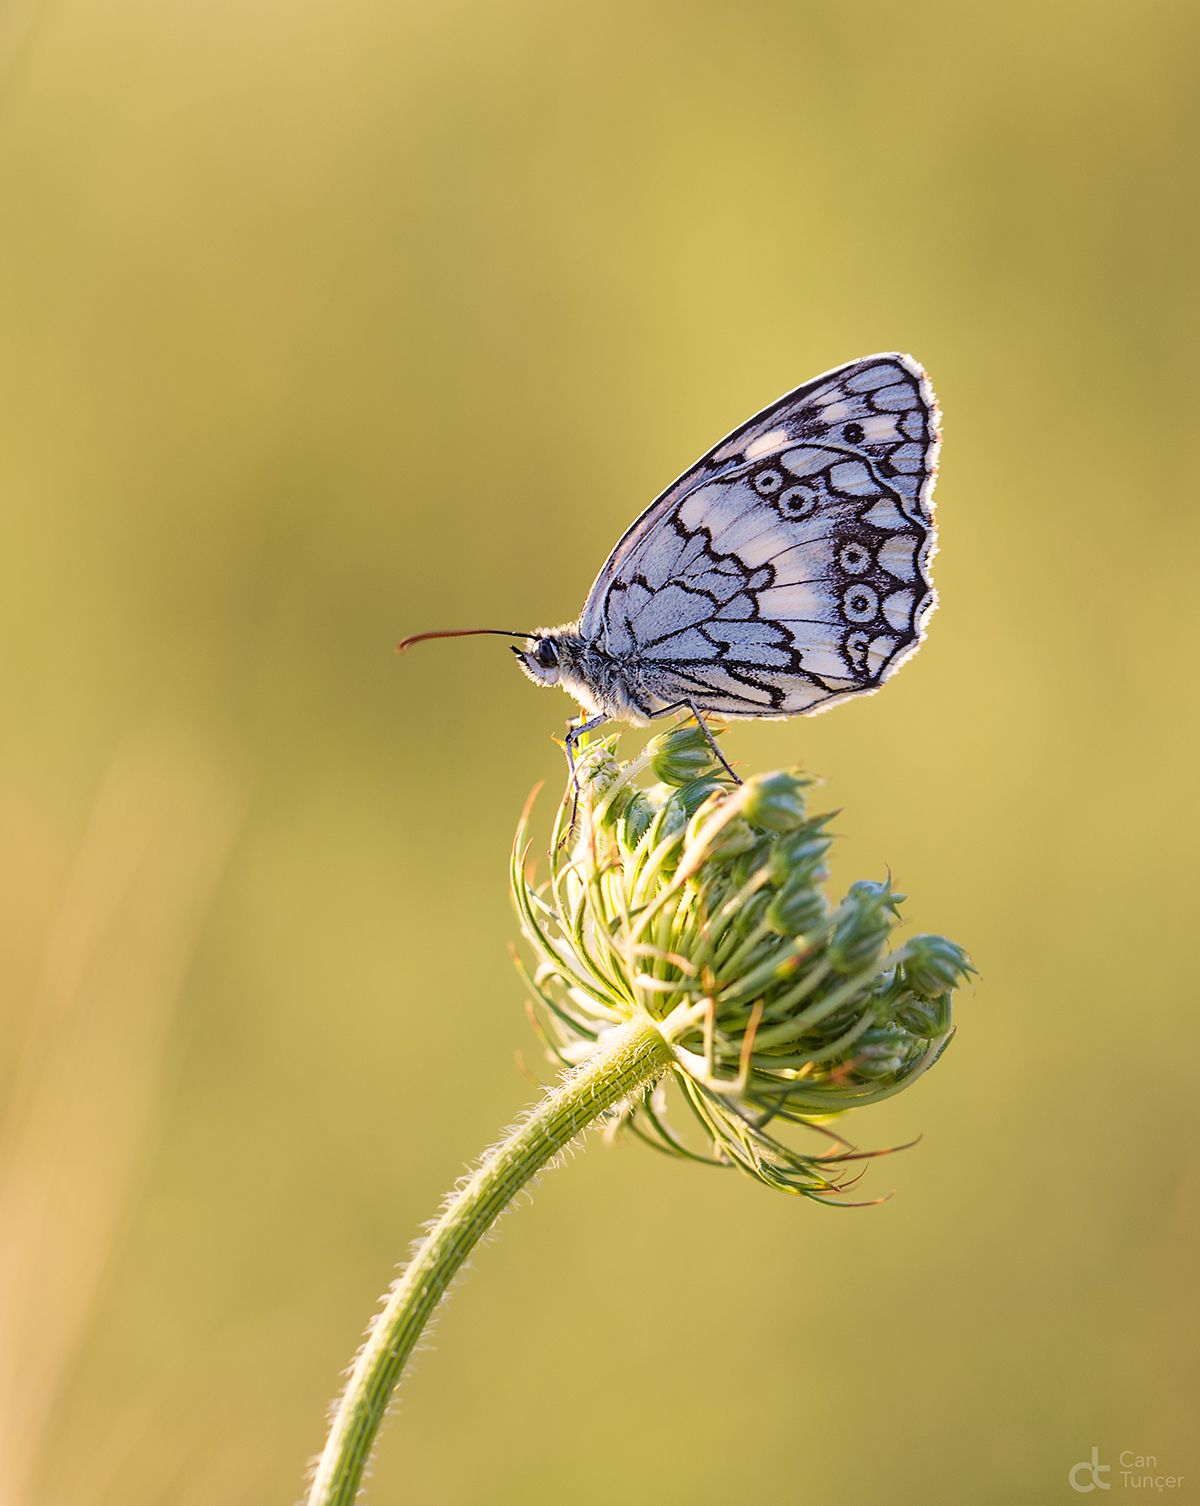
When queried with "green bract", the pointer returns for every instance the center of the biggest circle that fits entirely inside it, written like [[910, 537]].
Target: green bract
[[698, 904]]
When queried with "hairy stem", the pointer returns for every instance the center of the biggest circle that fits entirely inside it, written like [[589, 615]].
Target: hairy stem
[[626, 1060]]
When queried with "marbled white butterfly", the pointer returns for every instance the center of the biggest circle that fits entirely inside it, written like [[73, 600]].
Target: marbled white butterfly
[[786, 571]]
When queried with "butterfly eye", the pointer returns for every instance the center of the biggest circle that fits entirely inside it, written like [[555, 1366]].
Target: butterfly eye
[[545, 653], [797, 502], [854, 558], [767, 483], [854, 433], [860, 603]]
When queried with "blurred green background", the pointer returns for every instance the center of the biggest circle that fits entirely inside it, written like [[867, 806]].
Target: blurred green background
[[326, 323]]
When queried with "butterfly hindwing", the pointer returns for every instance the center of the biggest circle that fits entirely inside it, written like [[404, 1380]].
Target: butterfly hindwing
[[789, 567]]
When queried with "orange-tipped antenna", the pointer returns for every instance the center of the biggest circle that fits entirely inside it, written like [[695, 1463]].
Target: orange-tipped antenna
[[461, 633]]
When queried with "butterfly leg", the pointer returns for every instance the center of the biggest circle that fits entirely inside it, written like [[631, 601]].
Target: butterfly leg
[[576, 733], [703, 725], [572, 738]]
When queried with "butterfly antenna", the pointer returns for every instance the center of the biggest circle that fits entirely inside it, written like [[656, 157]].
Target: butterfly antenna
[[460, 633]]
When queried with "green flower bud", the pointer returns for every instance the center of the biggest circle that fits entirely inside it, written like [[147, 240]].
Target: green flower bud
[[750, 865], [879, 1055], [638, 814], [700, 906], [733, 840], [669, 820], [858, 937], [681, 755], [934, 966], [615, 806], [797, 910], [690, 797], [672, 814], [775, 802], [801, 854], [925, 1018]]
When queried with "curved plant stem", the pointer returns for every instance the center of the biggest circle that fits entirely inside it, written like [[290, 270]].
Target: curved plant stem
[[626, 1060]]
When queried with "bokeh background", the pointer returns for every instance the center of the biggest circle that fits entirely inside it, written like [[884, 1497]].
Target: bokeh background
[[325, 323]]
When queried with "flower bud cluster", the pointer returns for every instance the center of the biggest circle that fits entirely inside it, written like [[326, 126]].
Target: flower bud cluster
[[700, 904]]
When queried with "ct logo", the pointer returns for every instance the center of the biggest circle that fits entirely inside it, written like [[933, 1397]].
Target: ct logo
[[1096, 1469]]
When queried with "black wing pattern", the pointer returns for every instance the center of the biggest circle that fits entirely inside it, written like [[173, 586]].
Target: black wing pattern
[[790, 567]]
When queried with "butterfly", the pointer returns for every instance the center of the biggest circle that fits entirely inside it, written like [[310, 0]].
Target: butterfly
[[785, 572]]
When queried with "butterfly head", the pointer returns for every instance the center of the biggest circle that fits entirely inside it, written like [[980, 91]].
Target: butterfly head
[[559, 656], [543, 657]]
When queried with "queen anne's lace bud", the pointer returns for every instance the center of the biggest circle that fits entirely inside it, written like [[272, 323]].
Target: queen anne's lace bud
[[933, 966], [797, 910], [681, 755], [868, 912], [775, 802], [699, 904]]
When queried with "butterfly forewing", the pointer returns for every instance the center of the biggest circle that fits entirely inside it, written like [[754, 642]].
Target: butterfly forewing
[[789, 568]]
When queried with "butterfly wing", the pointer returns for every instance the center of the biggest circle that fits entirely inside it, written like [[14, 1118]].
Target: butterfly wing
[[789, 568]]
